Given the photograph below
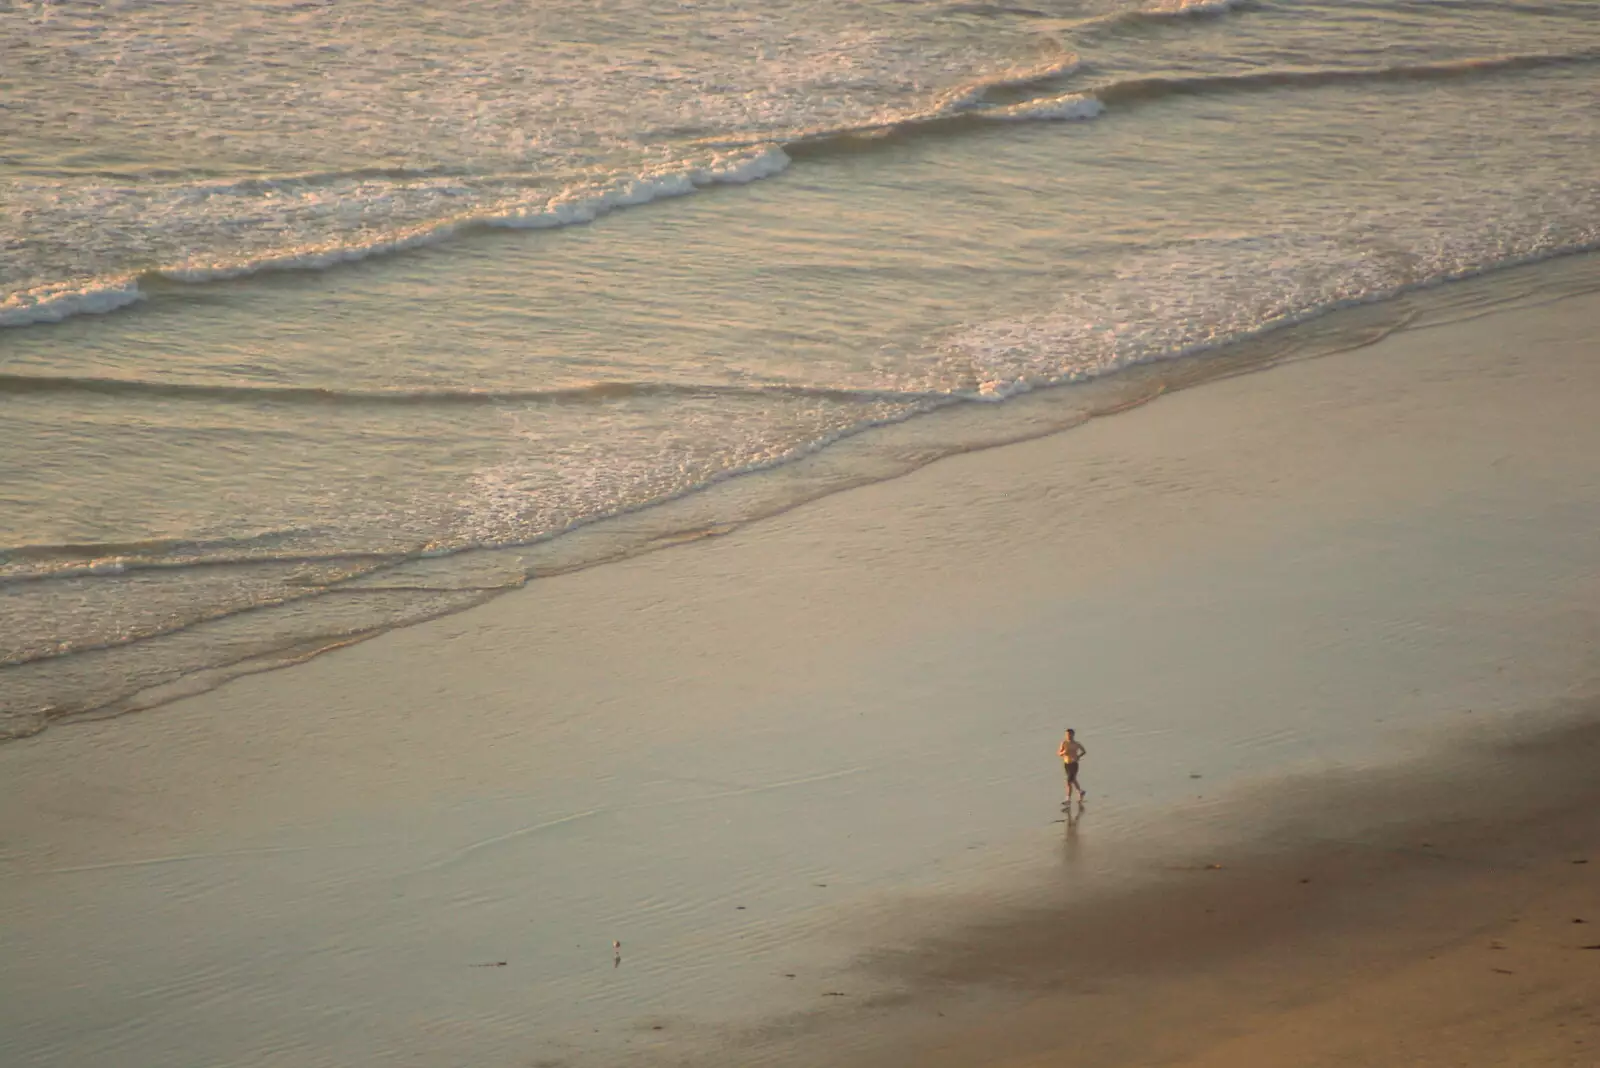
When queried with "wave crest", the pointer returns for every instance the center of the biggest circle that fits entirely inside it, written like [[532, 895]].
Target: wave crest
[[960, 109], [51, 304], [577, 205]]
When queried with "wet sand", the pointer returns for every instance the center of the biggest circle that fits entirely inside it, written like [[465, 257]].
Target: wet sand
[[805, 772], [1415, 917]]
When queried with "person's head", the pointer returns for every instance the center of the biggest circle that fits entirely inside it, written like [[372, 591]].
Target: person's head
[[1071, 733]]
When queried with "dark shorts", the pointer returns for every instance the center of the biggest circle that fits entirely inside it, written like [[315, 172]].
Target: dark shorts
[[1071, 768]]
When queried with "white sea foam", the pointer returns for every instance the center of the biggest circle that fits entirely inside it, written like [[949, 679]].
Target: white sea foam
[[661, 458], [573, 206], [1203, 295], [971, 94], [51, 304], [741, 168], [1068, 107], [584, 204], [279, 205], [1193, 7], [405, 132], [1160, 9], [317, 257]]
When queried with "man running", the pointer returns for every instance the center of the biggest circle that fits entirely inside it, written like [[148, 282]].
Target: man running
[[1070, 751]]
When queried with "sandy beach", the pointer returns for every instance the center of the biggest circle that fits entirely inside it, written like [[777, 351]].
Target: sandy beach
[[1328, 630]]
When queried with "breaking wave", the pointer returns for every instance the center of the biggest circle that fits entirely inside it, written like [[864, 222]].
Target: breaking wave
[[1042, 91], [577, 205]]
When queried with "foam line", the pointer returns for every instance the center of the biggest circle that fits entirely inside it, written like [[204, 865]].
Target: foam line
[[51, 304], [1067, 107], [575, 206]]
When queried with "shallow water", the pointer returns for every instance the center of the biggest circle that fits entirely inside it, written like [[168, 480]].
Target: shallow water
[[361, 359]]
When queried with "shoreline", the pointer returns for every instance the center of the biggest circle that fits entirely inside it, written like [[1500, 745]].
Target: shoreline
[[823, 744], [866, 456]]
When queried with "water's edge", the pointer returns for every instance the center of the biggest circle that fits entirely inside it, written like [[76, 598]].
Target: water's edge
[[865, 455]]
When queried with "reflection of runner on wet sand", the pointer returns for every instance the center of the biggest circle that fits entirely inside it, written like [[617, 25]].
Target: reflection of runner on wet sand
[[1069, 839], [1071, 816]]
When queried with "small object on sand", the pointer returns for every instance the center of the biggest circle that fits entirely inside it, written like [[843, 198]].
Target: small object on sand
[[1582, 860], [834, 994], [1578, 919], [1305, 880], [1504, 971], [1194, 775], [1213, 867], [491, 964], [1595, 946]]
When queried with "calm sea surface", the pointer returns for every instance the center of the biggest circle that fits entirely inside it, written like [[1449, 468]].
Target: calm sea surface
[[317, 318]]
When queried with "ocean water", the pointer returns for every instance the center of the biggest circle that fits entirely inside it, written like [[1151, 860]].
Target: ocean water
[[317, 318]]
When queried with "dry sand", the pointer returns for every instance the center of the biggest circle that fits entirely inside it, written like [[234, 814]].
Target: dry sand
[[805, 774]]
